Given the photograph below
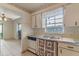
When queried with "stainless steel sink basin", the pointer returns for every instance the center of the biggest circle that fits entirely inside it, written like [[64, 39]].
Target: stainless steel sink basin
[[76, 42], [51, 37]]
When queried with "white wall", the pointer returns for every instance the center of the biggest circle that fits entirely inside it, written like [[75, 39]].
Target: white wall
[[26, 30], [26, 26], [8, 32], [25, 21]]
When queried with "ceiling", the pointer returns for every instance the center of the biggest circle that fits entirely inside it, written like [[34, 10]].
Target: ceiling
[[29, 7], [32, 7], [9, 13]]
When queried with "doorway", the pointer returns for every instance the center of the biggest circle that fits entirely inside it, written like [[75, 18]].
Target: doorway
[[1, 31], [19, 30]]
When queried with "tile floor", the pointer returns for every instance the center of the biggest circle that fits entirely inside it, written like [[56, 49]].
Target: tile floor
[[12, 48]]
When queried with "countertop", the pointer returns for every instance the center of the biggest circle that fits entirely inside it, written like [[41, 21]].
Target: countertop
[[61, 39]]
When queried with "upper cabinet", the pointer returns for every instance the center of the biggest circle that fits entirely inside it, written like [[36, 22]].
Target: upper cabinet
[[33, 21], [37, 21], [71, 15]]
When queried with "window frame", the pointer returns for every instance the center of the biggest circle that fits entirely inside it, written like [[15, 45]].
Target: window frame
[[56, 23]]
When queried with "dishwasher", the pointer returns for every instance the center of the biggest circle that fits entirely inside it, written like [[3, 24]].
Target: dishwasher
[[32, 44]]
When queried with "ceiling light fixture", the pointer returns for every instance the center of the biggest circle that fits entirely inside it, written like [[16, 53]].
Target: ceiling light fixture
[[3, 17]]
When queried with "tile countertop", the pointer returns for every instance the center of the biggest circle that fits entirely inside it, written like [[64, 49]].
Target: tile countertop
[[70, 41], [61, 40]]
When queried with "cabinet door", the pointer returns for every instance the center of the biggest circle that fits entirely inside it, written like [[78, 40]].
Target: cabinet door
[[49, 45], [38, 20], [41, 43], [78, 22], [32, 46], [66, 52], [33, 21], [43, 20], [49, 53], [71, 14], [41, 52]]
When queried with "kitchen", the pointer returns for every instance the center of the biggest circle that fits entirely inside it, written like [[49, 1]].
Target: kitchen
[[49, 40], [47, 29]]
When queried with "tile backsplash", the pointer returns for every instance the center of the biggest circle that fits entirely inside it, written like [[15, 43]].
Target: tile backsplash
[[71, 32]]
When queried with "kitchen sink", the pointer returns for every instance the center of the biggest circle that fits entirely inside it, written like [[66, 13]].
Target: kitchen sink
[[51, 37], [76, 42]]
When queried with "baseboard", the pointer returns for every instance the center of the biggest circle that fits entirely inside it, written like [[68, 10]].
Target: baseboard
[[32, 52], [24, 51], [29, 51]]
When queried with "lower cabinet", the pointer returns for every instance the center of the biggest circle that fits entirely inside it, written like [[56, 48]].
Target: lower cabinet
[[66, 52], [65, 49], [49, 53], [32, 46], [41, 52], [47, 47]]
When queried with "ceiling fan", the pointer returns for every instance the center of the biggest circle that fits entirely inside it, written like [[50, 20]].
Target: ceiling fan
[[3, 17]]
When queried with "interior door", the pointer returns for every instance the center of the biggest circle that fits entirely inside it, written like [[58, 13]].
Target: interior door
[[19, 31]]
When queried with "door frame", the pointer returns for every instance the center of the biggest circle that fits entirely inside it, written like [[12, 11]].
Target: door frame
[[2, 30], [18, 29]]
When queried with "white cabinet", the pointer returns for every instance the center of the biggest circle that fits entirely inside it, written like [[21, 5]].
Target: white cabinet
[[71, 15], [65, 49], [32, 46], [33, 21], [66, 52], [36, 21]]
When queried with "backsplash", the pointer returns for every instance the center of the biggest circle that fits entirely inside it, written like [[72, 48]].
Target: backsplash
[[38, 31], [70, 32]]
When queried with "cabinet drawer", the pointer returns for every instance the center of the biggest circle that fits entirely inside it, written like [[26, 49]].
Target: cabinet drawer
[[49, 45], [49, 53], [69, 46], [41, 43]]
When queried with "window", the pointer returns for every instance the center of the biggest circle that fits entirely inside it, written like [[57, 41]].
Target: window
[[1, 31], [54, 20], [19, 26]]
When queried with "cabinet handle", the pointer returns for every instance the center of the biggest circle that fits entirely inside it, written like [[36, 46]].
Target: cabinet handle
[[70, 47]]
